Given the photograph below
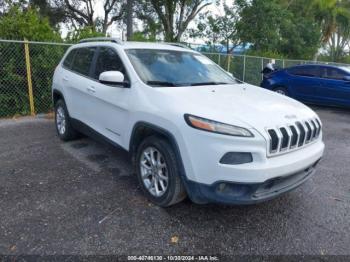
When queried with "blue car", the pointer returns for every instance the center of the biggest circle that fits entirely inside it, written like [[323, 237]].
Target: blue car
[[317, 84]]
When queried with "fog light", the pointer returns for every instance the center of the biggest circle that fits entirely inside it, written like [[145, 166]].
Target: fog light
[[236, 158]]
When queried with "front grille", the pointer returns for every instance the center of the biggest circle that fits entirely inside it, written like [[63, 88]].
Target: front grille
[[293, 136]]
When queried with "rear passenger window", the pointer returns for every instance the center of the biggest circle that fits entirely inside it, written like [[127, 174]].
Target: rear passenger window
[[69, 59], [311, 71], [108, 60], [83, 59], [333, 73]]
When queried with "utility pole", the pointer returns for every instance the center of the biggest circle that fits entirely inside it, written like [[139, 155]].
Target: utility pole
[[129, 20]]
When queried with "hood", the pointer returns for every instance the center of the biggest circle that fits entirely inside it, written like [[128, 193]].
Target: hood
[[239, 104]]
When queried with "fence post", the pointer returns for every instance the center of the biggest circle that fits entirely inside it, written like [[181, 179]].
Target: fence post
[[244, 64], [219, 60], [262, 68], [283, 63], [228, 62], [29, 78]]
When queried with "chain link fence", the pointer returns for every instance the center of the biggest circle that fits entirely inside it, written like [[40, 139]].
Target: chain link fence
[[248, 68], [26, 70]]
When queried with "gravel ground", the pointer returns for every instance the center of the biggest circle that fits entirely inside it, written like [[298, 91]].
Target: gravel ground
[[82, 198]]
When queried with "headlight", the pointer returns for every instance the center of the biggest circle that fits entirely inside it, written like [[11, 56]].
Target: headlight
[[216, 127]]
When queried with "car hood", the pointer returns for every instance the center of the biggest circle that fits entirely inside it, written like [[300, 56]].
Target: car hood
[[238, 104]]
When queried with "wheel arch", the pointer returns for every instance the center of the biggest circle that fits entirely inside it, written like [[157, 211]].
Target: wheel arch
[[57, 95], [142, 129]]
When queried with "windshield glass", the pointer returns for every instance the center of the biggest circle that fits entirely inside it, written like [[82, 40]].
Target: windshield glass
[[176, 68]]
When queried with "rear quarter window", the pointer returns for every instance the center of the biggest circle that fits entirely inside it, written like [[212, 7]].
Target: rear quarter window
[[69, 59], [333, 73]]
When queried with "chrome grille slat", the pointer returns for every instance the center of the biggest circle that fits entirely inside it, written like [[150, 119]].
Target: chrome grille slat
[[308, 132], [302, 134], [279, 134], [292, 136], [314, 129]]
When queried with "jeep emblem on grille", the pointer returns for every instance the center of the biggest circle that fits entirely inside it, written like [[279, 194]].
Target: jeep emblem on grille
[[290, 116]]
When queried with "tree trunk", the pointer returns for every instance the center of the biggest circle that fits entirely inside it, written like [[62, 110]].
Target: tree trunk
[[129, 20]]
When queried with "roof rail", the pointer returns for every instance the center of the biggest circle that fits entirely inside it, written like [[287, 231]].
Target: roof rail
[[176, 44], [96, 39]]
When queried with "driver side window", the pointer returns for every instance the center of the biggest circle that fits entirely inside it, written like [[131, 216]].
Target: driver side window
[[108, 60]]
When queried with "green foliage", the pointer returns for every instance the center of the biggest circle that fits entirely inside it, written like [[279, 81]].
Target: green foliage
[[173, 16], [271, 27], [81, 33], [17, 24], [269, 54], [143, 37], [219, 29]]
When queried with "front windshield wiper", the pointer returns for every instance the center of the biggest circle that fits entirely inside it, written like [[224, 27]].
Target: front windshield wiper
[[160, 83], [209, 83]]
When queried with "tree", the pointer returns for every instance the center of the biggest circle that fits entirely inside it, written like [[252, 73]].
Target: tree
[[339, 40], [80, 33], [272, 26], [129, 19], [219, 28], [46, 10], [329, 13], [81, 13], [152, 27], [173, 15], [18, 24], [334, 18]]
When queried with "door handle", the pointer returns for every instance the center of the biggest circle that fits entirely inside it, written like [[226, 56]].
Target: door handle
[[65, 78], [91, 89]]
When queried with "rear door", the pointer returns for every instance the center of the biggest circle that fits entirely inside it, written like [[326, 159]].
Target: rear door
[[77, 84], [334, 88], [111, 101], [304, 81]]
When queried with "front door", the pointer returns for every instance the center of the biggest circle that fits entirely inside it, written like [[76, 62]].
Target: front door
[[111, 102], [304, 81], [335, 86]]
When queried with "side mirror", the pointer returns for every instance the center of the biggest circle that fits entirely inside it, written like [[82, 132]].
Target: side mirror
[[346, 78], [113, 78]]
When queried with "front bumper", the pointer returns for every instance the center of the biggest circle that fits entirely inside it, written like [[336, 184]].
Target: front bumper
[[247, 193]]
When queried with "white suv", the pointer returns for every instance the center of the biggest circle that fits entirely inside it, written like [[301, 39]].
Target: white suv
[[189, 126]]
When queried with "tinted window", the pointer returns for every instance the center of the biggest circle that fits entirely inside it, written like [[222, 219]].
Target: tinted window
[[69, 59], [108, 60], [333, 73], [82, 60], [311, 71]]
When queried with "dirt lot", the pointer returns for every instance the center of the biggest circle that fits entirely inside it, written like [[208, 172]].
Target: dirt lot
[[82, 198]]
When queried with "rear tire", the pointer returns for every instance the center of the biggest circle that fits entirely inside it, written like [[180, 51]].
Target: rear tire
[[281, 90], [64, 128], [158, 172]]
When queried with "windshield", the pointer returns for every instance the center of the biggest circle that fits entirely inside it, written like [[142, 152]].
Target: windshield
[[176, 68]]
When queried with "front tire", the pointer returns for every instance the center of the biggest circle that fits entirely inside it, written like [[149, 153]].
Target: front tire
[[64, 128], [158, 172]]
